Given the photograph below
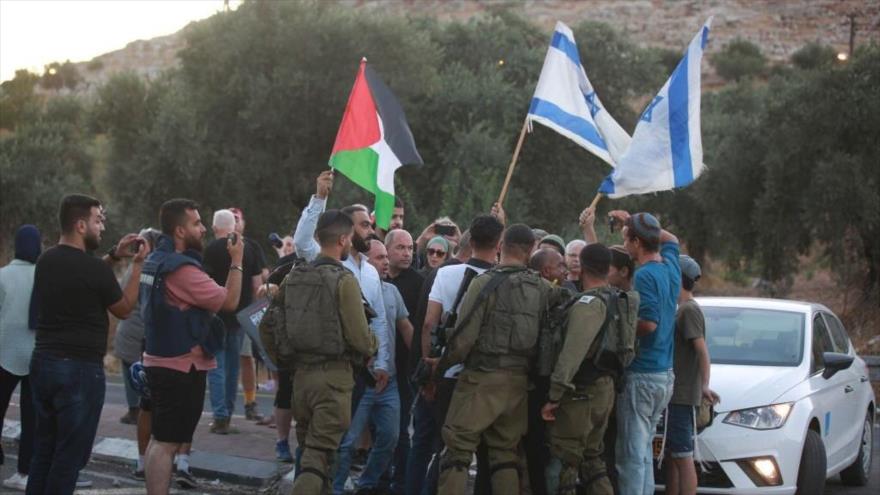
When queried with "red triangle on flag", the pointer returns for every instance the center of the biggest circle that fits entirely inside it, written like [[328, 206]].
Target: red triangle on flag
[[360, 123]]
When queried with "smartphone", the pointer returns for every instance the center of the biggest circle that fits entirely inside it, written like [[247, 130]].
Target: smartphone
[[136, 246], [276, 240], [232, 238], [444, 230]]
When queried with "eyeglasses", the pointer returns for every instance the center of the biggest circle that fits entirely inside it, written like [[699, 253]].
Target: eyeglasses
[[436, 252]]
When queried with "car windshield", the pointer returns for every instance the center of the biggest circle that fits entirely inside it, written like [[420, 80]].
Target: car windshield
[[755, 337]]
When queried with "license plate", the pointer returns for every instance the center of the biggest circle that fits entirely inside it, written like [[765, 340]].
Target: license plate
[[657, 446]]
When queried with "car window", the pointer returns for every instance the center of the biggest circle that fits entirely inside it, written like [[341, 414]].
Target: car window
[[757, 337], [821, 343], [838, 334]]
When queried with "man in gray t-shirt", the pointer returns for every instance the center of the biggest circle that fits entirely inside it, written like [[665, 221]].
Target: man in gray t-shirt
[[691, 367]]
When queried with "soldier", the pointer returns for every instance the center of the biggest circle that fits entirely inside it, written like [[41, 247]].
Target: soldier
[[496, 338], [317, 324], [581, 396]]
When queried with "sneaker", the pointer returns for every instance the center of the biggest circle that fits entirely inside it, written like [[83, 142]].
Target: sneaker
[[17, 482], [251, 413], [282, 451], [131, 417], [222, 426], [185, 480], [138, 474], [83, 483]]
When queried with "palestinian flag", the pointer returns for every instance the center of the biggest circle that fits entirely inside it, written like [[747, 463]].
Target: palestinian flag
[[373, 141]]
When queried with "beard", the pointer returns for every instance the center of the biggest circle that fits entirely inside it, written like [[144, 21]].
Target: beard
[[92, 241], [360, 244], [193, 243]]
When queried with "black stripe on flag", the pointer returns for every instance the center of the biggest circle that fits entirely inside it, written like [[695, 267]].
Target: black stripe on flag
[[397, 133]]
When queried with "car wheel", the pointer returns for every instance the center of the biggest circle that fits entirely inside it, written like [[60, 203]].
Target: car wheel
[[857, 474], [811, 475]]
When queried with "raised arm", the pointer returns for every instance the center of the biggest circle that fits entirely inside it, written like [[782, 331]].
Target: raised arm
[[304, 235]]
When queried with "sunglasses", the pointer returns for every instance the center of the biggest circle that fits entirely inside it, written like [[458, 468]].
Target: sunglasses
[[436, 252]]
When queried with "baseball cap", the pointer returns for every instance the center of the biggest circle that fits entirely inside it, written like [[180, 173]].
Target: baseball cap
[[689, 267], [555, 240]]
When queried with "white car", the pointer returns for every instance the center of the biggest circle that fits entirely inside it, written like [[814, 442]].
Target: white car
[[796, 407]]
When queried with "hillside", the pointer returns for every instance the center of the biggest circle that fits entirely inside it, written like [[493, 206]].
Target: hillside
[[778, 27]]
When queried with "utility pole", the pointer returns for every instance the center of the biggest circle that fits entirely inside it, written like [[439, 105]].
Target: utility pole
[[852, 33]]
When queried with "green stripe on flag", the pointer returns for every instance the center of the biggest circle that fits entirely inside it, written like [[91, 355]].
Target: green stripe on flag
[[361, 166]]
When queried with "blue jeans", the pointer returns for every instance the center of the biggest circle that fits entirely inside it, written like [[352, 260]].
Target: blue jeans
[[424, 442], [132, 398], [383, 412], [639, 406], [223, 380], [68, 396]]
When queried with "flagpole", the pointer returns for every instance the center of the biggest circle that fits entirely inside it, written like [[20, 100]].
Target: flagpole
[[595, 201], [522, 136]]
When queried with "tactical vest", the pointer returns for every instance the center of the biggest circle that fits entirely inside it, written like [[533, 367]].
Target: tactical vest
[[311, 311], [609, 356], [509, 332], [588, 371], [168, 330]]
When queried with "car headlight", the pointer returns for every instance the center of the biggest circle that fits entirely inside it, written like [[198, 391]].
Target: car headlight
[[760, 418]]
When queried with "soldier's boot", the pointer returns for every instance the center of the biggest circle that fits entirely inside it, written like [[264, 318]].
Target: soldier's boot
[[453, 476], [505, 477], [594, 478], [312, 479]]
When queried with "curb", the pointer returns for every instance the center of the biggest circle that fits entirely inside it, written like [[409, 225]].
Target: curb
[[209, 465]]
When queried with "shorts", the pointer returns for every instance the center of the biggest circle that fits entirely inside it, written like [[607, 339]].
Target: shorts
[[680, 431], [284, 394], [246, 348], [176, 402]]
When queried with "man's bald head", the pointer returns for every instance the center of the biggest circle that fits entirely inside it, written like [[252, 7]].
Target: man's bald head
[[399, 244], [549, 263]]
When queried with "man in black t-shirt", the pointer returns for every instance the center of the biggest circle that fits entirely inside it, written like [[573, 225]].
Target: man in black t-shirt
[[73, 291], [223, 380]]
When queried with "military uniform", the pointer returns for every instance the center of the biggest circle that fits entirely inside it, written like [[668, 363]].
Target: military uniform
[[496, 338], [585, 397], [316, 325]]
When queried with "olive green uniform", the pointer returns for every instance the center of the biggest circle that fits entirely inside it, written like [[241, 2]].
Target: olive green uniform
[[497, 341], [316, 325], [585, 403]]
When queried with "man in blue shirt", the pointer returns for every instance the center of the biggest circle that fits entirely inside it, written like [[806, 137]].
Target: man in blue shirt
[[649, 379]]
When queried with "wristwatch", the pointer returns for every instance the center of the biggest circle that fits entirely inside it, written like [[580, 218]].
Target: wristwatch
[[236, 267], [111, 253]]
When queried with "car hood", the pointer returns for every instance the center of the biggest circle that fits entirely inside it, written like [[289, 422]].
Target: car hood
[[742, 387]]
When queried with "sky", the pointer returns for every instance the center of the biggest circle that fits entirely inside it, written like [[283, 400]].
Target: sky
[[35, 33]]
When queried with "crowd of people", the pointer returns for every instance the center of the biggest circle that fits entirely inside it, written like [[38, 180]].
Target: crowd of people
[[549, 363]]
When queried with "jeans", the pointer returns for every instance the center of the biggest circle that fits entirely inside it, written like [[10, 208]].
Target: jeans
[[68, 397], [639, 406], [8, 382], [132, 398], [424, 439], [223, 380], [383, 411]]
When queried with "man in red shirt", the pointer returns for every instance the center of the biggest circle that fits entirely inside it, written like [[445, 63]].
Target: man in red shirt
[[178, 303]]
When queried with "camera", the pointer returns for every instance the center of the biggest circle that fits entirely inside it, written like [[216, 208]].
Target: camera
[[232, 238], [444, 229]]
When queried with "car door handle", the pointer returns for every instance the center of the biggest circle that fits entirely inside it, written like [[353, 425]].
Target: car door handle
[[848, 389]]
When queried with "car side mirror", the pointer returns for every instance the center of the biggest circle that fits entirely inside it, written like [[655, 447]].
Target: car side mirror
[[834, 362]]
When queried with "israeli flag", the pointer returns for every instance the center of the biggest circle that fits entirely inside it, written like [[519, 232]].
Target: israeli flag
[[566, 102], [666, 151]]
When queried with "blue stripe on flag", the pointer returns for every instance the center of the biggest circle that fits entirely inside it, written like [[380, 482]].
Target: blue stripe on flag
[[679, 132], [566, 46], [569, 122], [607, 185]]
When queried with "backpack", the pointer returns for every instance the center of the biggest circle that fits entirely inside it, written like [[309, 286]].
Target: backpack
[[615, 345], [617, 339]]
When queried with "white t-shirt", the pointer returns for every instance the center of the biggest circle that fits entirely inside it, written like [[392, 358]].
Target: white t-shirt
[[445, 289]]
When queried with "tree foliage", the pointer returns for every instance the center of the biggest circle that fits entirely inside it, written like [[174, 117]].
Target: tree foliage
[[739, 59]]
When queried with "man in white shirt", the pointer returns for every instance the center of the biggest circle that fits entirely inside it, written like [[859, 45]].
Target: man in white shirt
[[428, 414], [367, 276]]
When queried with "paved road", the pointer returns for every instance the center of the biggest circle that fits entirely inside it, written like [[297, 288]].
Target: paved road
[[835, 487]]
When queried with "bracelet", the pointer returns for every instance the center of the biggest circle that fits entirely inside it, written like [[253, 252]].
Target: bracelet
[[237, 267]]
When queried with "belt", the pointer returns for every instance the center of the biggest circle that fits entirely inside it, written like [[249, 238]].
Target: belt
[[326, 365]]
